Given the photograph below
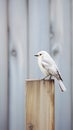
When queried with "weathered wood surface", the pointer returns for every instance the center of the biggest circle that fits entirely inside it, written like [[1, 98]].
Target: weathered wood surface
[[17, 62], [40, 105], [3, 66]]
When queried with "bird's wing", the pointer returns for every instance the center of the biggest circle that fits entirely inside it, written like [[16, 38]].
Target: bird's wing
[[49, 62], [48, 59], [45, 65], [52, 69]]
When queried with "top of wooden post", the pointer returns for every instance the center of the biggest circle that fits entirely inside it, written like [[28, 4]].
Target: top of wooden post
[[41, 80]]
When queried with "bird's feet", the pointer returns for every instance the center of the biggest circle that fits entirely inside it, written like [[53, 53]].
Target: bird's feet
[[43, 79], [50, 77]]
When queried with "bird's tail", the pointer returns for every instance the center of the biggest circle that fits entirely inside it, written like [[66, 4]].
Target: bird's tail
[[62, 87]]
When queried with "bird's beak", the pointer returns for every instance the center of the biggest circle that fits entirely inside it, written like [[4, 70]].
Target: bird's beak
[[36, 55]]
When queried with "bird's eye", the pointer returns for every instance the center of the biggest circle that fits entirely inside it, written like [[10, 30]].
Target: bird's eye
[[40, 54]]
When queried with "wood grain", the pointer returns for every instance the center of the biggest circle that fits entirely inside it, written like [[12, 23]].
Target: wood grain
[[17, 62], [3, 66], [40, 105]]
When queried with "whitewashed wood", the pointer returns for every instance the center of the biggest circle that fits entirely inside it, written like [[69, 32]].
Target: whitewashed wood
[[38, 23], [66, 70], [60, 42], [3, 66], [72, 61], [56, 28], [23, 45], [17, 62], [66, 67]]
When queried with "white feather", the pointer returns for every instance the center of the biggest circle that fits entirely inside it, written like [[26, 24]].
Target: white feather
[[63, 88]]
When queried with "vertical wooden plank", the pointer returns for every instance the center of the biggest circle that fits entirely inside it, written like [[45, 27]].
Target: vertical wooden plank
[[72, 63], [56, 42], [56, 28], [17, 62], [61, 51], [38, 22], [3, 66], [65, 66], [40, 105]]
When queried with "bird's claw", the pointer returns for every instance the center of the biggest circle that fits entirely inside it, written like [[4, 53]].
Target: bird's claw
[[50, 77], [43, 79]]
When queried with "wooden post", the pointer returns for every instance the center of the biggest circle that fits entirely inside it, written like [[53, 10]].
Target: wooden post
[[39, 105]]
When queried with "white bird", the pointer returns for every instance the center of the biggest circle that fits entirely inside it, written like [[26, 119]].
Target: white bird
[[49, 68]]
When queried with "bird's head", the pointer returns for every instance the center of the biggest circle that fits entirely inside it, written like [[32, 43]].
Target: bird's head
[[41, 54]]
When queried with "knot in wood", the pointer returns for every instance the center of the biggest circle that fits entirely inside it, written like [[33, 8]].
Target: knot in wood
[[30, 126], [13, 52]]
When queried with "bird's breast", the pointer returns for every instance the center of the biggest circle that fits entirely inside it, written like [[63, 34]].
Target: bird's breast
[[43, 70]]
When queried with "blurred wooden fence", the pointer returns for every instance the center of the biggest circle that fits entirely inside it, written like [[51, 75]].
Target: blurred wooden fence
[[27, 26]]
